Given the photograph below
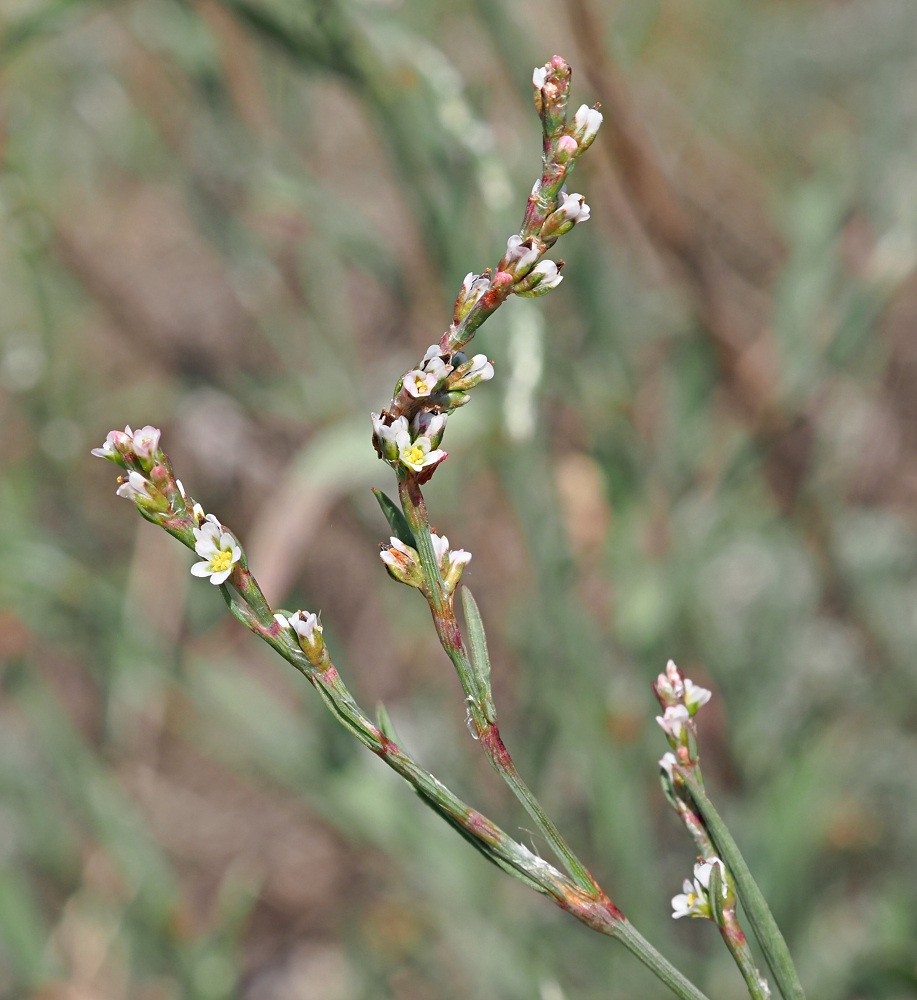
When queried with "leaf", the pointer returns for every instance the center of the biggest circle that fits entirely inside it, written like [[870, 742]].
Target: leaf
[[384, 722], [480, 659], [396, 520]]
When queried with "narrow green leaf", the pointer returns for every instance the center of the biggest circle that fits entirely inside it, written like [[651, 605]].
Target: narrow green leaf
[[384, 722], [396, 520], [480, 658], [759, 915]]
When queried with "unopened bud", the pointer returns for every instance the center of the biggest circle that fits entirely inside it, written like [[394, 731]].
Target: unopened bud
[[540, 280], [567, 148], [402, 562], [519, 258], [474, 371], [473, 287], [586, 124], [573, 210]]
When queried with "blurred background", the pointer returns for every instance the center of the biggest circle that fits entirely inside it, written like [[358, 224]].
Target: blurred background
[[241, 220]]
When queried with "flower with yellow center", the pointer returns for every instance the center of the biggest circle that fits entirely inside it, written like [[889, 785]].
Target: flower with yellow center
[[218, 549]]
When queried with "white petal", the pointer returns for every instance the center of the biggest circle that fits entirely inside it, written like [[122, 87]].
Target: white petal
[[221, 577], [201, 568]]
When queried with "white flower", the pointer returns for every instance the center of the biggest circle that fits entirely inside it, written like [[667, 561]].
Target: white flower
[[419, 383], [703, 871], [452, 562], [586, 123], [695, 696], [668, 764], [305, 625], [387, 435], [695, 899], [691, 902], [115, 442], [473, 287], [218, 549], [673, 721], [481, 368], [520, 256], [539, 76], [418, 453], [402, 562], [574, 208], [550, 276], [135, 488], [433, 351], [145, 442]]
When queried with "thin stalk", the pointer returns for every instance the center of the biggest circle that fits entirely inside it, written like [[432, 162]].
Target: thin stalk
[[736, 942], [759, 915], [450, 637], [637, 945]]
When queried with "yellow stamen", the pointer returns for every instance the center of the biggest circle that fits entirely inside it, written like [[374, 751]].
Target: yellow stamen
[[220, 561], [414, 455]]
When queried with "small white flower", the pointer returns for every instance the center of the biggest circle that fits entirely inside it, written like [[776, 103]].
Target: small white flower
[[115, 442], [473, 287], [387, 435], [440, 547], [433, 351], [418, 453], [673, 721], [135, 488], [218, 549], [481, 368], [691, 902], [704, 869], [668, 764], [419, 383], [550, 276], [586, 123], [520, 256], [539, 76], [305, 625], [145, 442], [695, 696], [574, 208]]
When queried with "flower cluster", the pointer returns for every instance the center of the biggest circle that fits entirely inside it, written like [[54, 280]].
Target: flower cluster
[[680, 699], [694, 900], [131, 449], [403, 562]]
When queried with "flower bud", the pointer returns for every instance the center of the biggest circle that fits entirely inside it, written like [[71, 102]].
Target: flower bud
[[473, 287], [402, 562], [308, 631], [384, 437], [138, 488], [452, 562], [586, 124], [669, 687], [566, 149], [540, 280], [572, 210], [519, 258], [471, 373], [429, 425]]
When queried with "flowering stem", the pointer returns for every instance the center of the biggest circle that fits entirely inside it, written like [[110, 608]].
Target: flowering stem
[[479, 702], [759, 915]]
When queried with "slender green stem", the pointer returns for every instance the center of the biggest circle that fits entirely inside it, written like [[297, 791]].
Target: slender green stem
[[637, 945], [737, 944], [759, 915], [450, 636]]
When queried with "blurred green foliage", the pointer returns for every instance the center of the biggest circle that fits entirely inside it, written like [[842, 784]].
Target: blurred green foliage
[[241, 220]]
